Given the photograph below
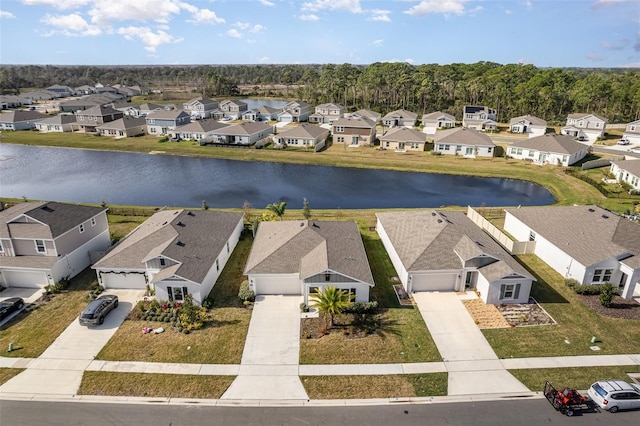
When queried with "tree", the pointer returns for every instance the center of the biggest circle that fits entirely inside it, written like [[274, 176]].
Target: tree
[[330, 302], [607, 291], [246, 208], [277, 208], [306, 210], [205, 206]]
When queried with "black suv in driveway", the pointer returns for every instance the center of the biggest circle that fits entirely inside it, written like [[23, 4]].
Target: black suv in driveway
[[95, 312]]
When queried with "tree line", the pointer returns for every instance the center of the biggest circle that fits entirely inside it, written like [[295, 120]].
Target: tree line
[[512, 89]]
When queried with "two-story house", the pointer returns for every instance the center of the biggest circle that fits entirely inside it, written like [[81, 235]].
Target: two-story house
[[43, 242], [437, 120], [200, 107], [585, 127], [161, 122], [295, 111], [230, 109], [400, 118], [327, 113], [261, 113], [354, 132], [528, 125], [632, 132], [479, 117], [89, 119]]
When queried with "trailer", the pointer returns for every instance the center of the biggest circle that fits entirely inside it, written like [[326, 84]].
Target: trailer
[[567, 401]]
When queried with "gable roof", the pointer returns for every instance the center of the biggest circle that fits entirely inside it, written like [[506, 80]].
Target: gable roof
[[308, 247], [123, 123], [437, 240], [367, 113], [305, 130], [192, 238], [59, 119], [631, 166], [463, 136], [404, 135], [330, 105], [150, 107], [551, 142], [401, 113], [579, 115], [201, 126], [589, 234], [265, 109], [434, 116], [100, 110], [354, 122], [20, 115], [246, 128], [234, 102], [530, 118], [472, 109], [167, 114]]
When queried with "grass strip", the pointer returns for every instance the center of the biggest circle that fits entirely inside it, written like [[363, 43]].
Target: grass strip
[[8, 373], [574, 377]]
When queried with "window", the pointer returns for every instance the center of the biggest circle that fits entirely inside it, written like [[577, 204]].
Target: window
[[354, 140], [327, 276], [339, 129], [217, 264], [531, 153], [40, 248], [93, 221], [458, 148], [227, 246], [489, 149], [415, 145], [468, 151], [81, 228], [532, 236], [602, 275], [163, 262], [565, 158], [509, 291], [387, 144], [340, 139], [1, 247], [176, 294]]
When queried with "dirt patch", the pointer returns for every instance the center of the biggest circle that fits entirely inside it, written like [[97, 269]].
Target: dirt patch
[[520, 314], [620, 308], [486, 316]]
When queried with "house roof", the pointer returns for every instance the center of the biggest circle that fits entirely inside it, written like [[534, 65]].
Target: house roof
[[265, 109], [631, 166], [354, 122], [91, 100], [100, 110], [31, 262], [202, 100], [296, 104], [579, 115], [59, 119], [366, 113], [561, 144], [167, 114], [330, 105], [150, 107], [123, 123], [463, 136], [232, 101], [201, 126], [308, 247], [401, 113], [305, 130], [402, 134], [589, 234], [57, 217], [19, 115], [435, 116], [247, 128], [472, 109], [530, 118], [194, 239], [437, 240]]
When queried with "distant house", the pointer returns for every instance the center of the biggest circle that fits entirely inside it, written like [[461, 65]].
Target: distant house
[[202, 131], [354, 132], [261, 113], [295, 111], [447, 252], [43, 242], [57, 123], [127, 108], [400, 117], [402, 139], [89, 101], [146, 109], [437, 120], [20, 120], [463, 141], [478, 117], [61, 90], [327, 113], [303, 257], [627, 171], [246, 133], [123, 127], [632, 132], [174, 252], [89, 119], [368, 114], [12, 101], [529, 125], [200, 107], [552, 149], [230, 109], [161, 122], [586, 243], [307, 135], [585, 127], [41, 95], [84, 90]]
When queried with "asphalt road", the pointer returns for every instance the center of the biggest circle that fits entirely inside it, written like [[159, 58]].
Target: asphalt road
[[514, 412]]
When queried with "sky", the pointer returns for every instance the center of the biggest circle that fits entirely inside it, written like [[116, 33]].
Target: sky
[[545, 33]]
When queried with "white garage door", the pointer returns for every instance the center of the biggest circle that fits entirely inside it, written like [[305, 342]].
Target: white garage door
[[434, 282], [278, 285], [126, 281], [28, 279]]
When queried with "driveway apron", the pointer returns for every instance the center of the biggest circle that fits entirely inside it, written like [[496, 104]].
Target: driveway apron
[[269, 366], [473, 366]]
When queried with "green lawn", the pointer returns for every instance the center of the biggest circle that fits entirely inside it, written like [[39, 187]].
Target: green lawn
[[31, 332], [577, 324], [8, 373], [383, 386], [577, 377]]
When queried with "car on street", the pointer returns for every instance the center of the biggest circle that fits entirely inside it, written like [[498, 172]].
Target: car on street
[[9, 306], [614, 395], [623, 142], [98, 309]]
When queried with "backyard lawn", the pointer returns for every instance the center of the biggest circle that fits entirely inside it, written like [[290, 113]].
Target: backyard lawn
[[576, 324]]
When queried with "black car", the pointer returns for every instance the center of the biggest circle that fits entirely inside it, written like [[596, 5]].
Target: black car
[[95, 312], [10, 305]]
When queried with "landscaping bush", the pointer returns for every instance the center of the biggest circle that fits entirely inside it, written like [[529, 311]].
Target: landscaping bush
[[304, 307], [607, 292], [361, 308], [588, 290], [192, 317], [246, 294]]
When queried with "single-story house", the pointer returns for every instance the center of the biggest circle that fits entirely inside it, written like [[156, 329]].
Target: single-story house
[[463, 141], [400, 117], [586, 243], [301, 257], [123, 127], [627, 171], [307, 135], [437, 120], [57, 123], [89, 101], [632, 132], [528, 125], [553, 149], [201, 130], [20, 119], [44, 242], [445, 251], [174, 252], [246, 133], [402, 139]]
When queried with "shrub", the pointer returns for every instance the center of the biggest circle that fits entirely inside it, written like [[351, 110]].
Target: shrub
[[571, 283], [207, 303], [607, 292], [361, 308], [192, 317], [246, 294], [304, 307], [588, 290]]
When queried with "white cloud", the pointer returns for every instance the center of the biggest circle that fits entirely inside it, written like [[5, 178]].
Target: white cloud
[[352, 6], [445, 7], [150, 39], [380, 15], [245, 26], [234, 33], [105, 11], [528, 5], [377, 43], [264, 60], [604, 3], [58, 4], [257, 28], [6, 15], [242, 25], [309, 17], [508, 11], [206, 17], [594, 57], [266, 3], [72, 25]]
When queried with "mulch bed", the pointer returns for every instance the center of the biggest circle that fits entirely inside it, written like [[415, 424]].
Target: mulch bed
[[520, 314], [314, 328], [620, 308]]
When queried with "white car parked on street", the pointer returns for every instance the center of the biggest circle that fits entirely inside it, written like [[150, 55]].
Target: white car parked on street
[[614, 395]]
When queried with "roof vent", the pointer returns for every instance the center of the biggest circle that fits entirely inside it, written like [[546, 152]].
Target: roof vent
[[180, 243], [604, 216], [180, 224], [433, 213], [46, 208], [190, 213], [315, 225], [301, 224], [591, 210], [439, 220], [164, 223]]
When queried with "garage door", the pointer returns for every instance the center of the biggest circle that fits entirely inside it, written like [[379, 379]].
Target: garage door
[[278, 285], [126, 281], [28, 279], [434, 282]]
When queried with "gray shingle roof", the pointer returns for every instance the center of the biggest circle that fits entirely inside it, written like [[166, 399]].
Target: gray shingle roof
[[247, 128], [308, 248], [99, 110], [355, 122], [561, 144], [402, 134], [201, 126], [171, 114], [530, 118], [463, 136], [434, 116], [20, 115], [579, 115], [401, 113], [59, 119], [124, 123], [631, 166], [305, 130], [366, 113]]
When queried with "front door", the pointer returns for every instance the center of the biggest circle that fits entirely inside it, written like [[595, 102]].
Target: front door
[[623, 281], [468, 279]]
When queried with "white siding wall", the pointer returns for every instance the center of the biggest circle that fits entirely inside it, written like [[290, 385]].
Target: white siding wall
[[193, 289], [393, 255], [490, 292]]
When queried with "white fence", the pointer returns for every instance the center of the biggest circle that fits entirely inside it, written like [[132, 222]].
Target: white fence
[[514, 247]]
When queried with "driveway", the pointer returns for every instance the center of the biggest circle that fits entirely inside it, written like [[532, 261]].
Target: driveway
[[269, 366], [29, 295]]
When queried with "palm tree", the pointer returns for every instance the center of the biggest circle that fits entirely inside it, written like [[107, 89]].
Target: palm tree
[[277, 208], [330, 302]]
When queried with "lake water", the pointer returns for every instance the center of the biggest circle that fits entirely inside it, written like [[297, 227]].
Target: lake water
[[74, 175]]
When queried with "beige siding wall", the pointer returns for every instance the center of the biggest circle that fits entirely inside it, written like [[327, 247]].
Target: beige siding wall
[[68, 242]]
